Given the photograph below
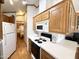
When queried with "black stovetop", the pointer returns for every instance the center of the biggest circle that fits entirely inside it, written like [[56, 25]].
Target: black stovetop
[[41, 40]]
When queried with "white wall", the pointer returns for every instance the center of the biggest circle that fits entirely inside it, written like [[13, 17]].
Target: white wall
[[50, 3], [25, 28], [42, 5], [76, 5], [20, 18], [31, 11], [10, 14]]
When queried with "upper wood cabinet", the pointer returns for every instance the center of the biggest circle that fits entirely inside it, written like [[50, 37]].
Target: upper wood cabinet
[[72, 18], [9, 19], [56, 19], [41, 17], [45, 15], [62, 18], [77, 23], [37, 18], [1, 1], [5, 18]]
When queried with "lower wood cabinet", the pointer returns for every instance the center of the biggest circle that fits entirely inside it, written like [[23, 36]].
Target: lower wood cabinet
[[45, 55], [77, 54]]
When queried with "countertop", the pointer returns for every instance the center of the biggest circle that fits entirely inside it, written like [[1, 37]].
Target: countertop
[[58, 51]]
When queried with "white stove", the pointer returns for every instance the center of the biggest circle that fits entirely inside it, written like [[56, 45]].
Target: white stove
[[40, 40], [44, 37]]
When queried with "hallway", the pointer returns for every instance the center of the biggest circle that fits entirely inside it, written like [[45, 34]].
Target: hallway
[[21, 52]]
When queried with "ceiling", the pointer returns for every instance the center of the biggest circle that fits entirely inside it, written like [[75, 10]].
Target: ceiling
[[7, 7], [18, 5], [76, 5]]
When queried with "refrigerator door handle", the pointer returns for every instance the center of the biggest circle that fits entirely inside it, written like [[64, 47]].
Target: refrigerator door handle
[[5, 40]]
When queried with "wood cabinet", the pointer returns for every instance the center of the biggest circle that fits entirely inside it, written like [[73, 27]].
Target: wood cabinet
[[37, 18], [45, 55], [56, 19], [77, 53], [1, 30], [72, 18], [62, 18], [45, 15], [1, 1], [5, 18], [0, 23], [77, 23], [41, 17], [9, 19]]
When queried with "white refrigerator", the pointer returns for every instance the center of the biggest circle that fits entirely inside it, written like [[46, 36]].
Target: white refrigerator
[[9, 39]]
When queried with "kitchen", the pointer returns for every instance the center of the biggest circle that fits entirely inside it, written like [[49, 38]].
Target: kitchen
[[51, 30]]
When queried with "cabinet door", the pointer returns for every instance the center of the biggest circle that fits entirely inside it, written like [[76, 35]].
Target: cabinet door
[[45, 15], [1, 1], [5, 18], [72, 19], [37, 18], [77, 16], [34, 23], [57, 21], [77, 53], [11, 19], [45, 55]]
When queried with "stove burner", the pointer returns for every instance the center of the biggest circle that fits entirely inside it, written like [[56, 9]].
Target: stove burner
[[36, 40], [44, 40], [39, 41]]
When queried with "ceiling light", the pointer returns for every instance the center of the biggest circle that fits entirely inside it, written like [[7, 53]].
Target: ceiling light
[[11, 2], [20, 12], [24, 2]]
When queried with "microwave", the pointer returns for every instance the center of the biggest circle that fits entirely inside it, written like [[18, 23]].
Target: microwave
[[42, 26]]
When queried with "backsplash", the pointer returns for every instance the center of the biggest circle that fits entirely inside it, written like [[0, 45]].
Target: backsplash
[[57, 37]]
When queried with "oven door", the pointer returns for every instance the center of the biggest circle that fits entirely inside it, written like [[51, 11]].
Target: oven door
[[35, 50]]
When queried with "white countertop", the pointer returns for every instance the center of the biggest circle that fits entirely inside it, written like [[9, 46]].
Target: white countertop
[[56, 50]]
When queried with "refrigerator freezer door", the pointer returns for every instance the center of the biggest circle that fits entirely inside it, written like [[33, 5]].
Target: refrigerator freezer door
[[8, 28]]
